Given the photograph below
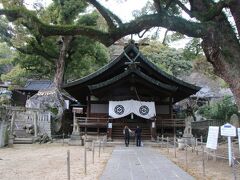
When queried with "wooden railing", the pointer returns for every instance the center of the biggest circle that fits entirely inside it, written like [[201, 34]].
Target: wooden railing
[[206, 123], [92, 121], [170, 122], [95, 121]]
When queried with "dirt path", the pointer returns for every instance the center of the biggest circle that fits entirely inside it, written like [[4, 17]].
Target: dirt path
[[48, 162], [214, 170]]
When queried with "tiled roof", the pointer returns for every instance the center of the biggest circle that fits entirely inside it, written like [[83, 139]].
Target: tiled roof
[[35, 85]]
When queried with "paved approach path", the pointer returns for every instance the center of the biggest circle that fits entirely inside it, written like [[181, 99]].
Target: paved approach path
[[141, 163]]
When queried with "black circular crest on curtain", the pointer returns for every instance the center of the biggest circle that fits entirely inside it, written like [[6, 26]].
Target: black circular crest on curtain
[[144, 110], [119, 109]]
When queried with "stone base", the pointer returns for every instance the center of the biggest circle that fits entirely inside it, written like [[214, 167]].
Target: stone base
[[189, 140], [10, 141], [76, 136], [75, 142], [109, 139]]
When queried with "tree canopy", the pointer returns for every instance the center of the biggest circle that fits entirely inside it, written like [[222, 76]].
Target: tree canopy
[[36, 52], [207, 20]]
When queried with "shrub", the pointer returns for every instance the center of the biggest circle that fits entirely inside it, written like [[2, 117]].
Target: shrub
[[223, 109]]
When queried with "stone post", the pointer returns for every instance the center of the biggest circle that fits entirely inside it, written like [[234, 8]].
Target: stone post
[[11, 137], [187, 136], [35, 123], [76, 135], [12, 122]]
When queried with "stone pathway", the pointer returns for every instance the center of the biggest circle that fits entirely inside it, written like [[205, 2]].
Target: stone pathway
[[141, 163]]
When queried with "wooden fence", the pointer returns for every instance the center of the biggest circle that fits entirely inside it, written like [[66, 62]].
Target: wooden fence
[[206, 123]]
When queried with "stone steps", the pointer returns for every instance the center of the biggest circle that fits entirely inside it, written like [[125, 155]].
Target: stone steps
[[117, 131], [23, 141]]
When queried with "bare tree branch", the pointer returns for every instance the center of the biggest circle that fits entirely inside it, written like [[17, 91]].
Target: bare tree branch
[[115, 17], [184, 8], [104, 12], [165, 37]]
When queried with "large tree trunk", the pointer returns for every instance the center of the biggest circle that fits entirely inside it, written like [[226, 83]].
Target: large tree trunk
[[60, 62], [222, 51], [221, 45]]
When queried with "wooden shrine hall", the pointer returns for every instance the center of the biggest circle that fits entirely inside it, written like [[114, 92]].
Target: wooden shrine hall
[[132, 91]]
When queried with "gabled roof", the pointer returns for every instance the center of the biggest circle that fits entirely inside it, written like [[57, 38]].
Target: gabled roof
[[117, 70], [129, 73]]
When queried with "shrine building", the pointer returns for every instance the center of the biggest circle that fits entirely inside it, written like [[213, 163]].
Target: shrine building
[[132, 91]]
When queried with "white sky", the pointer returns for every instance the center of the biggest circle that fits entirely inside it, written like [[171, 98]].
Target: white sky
[[122, 8]]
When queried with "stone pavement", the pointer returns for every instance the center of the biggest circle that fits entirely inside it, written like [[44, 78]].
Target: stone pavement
[[141, 163]]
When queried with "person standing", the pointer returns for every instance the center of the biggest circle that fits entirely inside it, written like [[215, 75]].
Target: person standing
[[138, 132], [126, 132]]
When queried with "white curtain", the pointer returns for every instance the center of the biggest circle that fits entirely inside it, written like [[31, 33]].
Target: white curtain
[[118, 109]]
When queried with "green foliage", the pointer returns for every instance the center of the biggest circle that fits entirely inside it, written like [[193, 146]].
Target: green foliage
[[37, 55], [168, 59], [88, 57], [67, 10], [219, 110], [34, 67], [6, 58], [149, 8], [193, 49], [17, 75], [5, 99], [88, 19]]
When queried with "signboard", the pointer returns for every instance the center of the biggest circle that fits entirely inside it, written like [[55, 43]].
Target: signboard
[[153, 125], [110, 125], [212, 139], [228, 130]]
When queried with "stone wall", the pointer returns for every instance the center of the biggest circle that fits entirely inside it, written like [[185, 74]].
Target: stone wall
[[44, 123], [26, 122], [3, 133]]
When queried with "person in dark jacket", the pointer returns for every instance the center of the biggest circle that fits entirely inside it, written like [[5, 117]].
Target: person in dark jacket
[[126, 132], [138, 132]]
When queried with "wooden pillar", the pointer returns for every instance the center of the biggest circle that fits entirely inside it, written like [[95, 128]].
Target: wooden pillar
[[153, 130], [88, 110], [109, 130], [171, 115], [88, 106]]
